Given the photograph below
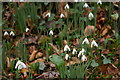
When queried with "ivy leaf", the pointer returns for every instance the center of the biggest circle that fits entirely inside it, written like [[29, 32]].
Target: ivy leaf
[[106, 61], [94, 64], [42, 66]]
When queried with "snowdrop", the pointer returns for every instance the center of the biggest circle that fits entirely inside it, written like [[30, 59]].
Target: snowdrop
[[83, 58], [74, 51], [85, 41], [20, 65], [93, 43], [62, 15], [48, 14], [66, 6], [99, 2], [27, 29], [12, 33], [81, 52], [90, 16], [66, 48], [66, 57], [85, 5], [6, 33], [51, 32]]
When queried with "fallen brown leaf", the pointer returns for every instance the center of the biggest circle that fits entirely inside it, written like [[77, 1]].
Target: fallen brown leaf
[[39, 54], [24, 71], [104, 32], [64, 42], [8, 62], [32, 56], [38, 60], [89, 30]]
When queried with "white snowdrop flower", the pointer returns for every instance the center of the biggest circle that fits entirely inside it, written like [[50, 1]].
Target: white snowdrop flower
[[83, 58], [6, 33], [66, 6], [51, 32], [27, 29], [99, 2], [62, 15], [66, 48], [20, 65], [66, 57], [93, 43], [12, 33], [90, 16], [74, 51], [85, 5], [48, 14], [81, 52], [85, 41]]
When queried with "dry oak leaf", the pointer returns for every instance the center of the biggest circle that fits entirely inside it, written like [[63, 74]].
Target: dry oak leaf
[[24, 71], [38, 60], [39, 54], [104, 32], [32, 56], [89, 30]]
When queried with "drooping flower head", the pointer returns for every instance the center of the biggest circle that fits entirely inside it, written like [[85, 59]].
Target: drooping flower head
[[12, 33], [85, 5], [62, 15], [74, 51], [93, 43], [6, 33], [66, 48], [90, 16], [66, 6], [27, 29], [83, 58], [51, 32], [81, 52], [66, 57], [85, 41], [99, 2], [48, 14], [20, 65]]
